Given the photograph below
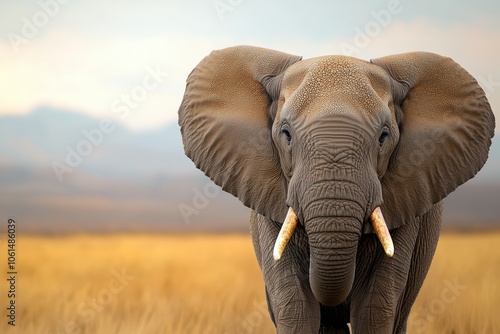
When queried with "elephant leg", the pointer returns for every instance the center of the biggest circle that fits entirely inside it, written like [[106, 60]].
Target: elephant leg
[[380, 280], [292, 305], [425, 247], [385, 288]]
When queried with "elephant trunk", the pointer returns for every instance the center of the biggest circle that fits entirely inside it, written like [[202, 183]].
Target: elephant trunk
[[333, 245], [332, 195], [333, 211]]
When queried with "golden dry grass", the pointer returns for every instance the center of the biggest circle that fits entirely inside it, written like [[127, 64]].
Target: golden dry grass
[[212, 284]]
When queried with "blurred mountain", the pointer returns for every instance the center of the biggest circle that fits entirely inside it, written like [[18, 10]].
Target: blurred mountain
[[63, 171], [47, 135], [125, 180]]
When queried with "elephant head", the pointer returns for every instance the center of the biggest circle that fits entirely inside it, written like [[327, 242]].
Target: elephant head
[[335, 141]]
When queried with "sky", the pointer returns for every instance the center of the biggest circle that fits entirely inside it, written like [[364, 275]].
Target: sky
[[129, 60]]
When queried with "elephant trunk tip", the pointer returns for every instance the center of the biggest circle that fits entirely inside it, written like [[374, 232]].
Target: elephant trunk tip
[[331, 288]]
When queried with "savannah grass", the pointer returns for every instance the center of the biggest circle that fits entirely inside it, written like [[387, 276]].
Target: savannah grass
[[212, 284]]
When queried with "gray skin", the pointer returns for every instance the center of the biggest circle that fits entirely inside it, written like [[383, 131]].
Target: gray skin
[[335, 137]]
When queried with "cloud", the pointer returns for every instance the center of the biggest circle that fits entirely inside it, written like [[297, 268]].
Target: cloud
[[74, 71], [86, 62], [474, 46]]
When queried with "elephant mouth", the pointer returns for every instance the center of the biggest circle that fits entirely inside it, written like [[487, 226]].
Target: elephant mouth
[[291, 220]]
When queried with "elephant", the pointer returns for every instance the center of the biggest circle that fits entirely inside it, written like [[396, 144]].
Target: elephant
[[344, 164]]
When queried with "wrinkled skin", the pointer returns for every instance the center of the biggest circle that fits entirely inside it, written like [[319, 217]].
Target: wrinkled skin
[[333, 138], [393, 282]]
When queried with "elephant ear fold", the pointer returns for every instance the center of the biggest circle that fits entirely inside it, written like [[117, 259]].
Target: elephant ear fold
[[446, 126], [226, 117]]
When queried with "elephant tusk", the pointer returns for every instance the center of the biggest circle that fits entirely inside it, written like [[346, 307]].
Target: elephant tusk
[[378, 223], [285, 234]]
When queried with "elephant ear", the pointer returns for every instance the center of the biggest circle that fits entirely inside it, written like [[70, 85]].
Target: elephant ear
[[446, 125], [226, 117]]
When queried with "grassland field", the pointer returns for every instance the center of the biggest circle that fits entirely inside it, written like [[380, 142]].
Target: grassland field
[[93, 284]]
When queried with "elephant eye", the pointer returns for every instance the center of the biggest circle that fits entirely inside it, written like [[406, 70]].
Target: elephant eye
[[383, 136], [286, 133]]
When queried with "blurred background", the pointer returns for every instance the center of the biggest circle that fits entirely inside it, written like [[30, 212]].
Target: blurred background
[[93, 171], [89, 93]]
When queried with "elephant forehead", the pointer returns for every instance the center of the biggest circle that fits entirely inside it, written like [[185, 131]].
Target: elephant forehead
[[335, 84]]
